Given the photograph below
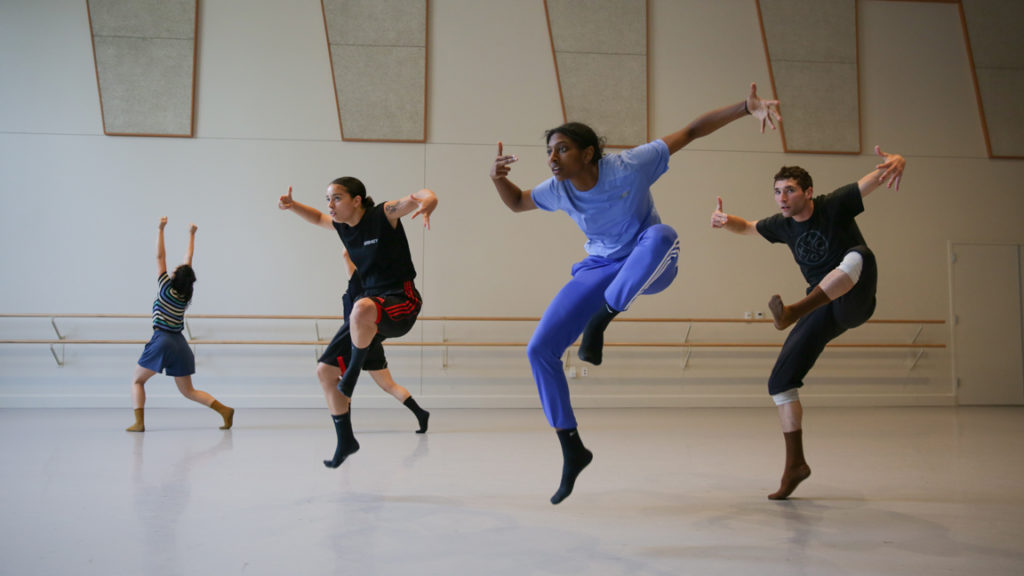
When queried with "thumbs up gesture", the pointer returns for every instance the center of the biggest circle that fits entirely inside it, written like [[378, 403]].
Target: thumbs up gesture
[[286, 202], [718, 218]]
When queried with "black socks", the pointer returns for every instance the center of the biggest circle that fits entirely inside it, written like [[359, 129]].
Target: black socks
[[592, 344], [575, 458], [421, 415], [347, 443], [355, 365]]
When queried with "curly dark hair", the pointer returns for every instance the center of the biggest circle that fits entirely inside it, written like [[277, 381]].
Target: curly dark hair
[[803, 179]]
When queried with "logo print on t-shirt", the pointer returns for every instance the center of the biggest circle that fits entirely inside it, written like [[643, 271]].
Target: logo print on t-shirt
[[811, 247]]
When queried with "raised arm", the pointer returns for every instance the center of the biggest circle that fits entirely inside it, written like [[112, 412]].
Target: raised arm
[[307, 213], [511, 195], [161, 254], [889, 172], [191, 243], [735, 224], [763, 110], [422, 201]]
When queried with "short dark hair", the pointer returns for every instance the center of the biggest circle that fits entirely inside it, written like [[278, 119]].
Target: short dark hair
[[803, 179], [581, 135], [354, 187], [182, 280]]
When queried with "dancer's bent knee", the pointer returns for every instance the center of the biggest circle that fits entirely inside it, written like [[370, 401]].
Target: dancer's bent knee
[[852, 265]]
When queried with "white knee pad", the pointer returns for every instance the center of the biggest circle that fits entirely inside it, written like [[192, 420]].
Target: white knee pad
[[852, 264], [791, 395]]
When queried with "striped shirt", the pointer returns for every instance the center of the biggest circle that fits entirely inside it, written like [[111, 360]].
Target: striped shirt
[[168, 308]]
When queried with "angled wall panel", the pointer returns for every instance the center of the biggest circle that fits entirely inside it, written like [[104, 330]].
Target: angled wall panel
[[378, 54], [600, 51], [812, 54], [995, 32], [145, 65]]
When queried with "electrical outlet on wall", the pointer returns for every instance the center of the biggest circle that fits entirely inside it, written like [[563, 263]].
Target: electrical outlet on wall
[[586, 371]]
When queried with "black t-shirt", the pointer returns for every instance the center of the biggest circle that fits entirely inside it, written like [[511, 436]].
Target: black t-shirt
[[380, 252], [819, 243]]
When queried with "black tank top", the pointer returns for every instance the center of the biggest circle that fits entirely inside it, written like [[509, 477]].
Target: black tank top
[[380, 252]]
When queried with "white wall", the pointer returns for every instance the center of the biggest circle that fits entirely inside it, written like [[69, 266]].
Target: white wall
[[80, 208]]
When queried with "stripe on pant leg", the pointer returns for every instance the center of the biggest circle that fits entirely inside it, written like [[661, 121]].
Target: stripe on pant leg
[[672, 254]]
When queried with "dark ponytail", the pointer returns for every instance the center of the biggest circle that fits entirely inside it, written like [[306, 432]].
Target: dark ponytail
[[354, 188], [182, 281]]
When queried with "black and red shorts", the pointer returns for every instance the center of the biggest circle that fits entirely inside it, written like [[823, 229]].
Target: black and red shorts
[[397, 311], [339, 352]]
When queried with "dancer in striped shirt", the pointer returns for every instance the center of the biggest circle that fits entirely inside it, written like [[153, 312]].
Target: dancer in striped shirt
[[168, 351]]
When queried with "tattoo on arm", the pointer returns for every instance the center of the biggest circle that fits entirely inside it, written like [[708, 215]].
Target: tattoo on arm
[[396, 205]]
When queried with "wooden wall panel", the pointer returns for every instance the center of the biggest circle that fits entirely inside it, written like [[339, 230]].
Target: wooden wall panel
[[378, 54], [145, 65], [812, 54], [995, 32], [600, 49]]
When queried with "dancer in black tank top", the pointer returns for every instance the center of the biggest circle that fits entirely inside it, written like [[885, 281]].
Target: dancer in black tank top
[[375, 240]]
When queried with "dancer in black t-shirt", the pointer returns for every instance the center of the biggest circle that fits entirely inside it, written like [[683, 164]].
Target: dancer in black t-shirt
[[389, 304], [841, 275]]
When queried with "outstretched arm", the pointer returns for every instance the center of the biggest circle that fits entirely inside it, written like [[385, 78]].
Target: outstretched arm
[[307, 213], [889, 172], [161, 254], [423, 202], [732, 223], [763, 110], [191, 243], [511, 195]]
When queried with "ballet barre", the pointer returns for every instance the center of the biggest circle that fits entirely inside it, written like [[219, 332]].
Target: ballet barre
[[444, 343]]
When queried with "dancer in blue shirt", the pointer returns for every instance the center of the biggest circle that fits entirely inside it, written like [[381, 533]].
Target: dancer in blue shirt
[[630, 252]]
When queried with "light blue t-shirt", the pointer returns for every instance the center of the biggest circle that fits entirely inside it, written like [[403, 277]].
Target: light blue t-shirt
[[619, 207]]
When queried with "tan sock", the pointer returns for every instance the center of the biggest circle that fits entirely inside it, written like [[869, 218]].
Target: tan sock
[[783, 316], [226, 412], [139, 425]]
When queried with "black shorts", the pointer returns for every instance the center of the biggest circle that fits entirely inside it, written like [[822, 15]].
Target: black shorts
[[810, 335], [397, 311], [339, 352]]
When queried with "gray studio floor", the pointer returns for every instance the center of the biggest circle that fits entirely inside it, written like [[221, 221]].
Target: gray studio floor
[[671, 491]]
